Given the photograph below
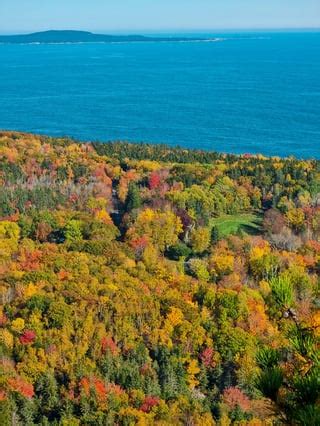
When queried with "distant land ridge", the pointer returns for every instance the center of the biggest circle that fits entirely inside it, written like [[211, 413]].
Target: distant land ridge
[[72, 36]]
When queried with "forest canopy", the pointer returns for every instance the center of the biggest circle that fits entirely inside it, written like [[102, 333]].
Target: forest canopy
[[150, 285]]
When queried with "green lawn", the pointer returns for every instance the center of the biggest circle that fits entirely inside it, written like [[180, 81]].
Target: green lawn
[[249, 223]]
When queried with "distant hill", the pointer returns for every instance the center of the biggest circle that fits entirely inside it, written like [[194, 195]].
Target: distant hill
[[87, 37]]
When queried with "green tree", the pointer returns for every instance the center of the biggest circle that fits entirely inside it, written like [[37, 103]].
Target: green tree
[[48, 397], [133, 199], [73, 231]]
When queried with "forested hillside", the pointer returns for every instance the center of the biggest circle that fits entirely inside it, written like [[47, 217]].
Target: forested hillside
[[146, 285]]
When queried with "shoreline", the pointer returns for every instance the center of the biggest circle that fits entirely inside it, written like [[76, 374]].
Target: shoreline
[[161, 145]]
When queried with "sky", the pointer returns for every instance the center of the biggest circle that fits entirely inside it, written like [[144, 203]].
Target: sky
[[18, 16]]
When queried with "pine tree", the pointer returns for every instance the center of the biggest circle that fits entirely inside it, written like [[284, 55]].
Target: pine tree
[[133, 200], [215, 235]]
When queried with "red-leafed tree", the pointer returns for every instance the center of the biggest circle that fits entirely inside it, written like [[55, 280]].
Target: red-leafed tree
[[107, 343], [100, 389], [233, 397], [17, 384], [206, 357], [27, 337], [148, 403], [154, 180]]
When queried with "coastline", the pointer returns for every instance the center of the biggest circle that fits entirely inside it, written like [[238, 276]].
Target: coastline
[[158, 146]]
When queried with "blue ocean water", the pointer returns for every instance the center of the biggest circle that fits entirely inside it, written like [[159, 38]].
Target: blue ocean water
[[246, 93]]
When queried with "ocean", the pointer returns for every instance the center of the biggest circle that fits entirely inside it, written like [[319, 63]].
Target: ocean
[[244, 93]]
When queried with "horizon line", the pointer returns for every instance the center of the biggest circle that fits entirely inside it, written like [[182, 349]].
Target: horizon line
[[169, 30]]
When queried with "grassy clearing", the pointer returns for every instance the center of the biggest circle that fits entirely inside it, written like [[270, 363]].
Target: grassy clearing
[[248, 223]]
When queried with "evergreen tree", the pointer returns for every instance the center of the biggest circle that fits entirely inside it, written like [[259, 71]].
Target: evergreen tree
[[48, 397], [133, 200], [215, 237]]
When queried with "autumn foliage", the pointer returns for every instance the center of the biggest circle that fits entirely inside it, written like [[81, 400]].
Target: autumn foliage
[[128, 295]]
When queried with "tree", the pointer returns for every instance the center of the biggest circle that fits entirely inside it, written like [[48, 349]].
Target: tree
[[48, 396], [282, 291], [162, 228], [294, 391], [215, 235], [42, 232], [200, 239], [273, 221], [58, 313], [73, 232], [154, 180], [221, 263], [234, 398], [9, 230], [178, 251], [133, 199], [295, 218], [199, 269]]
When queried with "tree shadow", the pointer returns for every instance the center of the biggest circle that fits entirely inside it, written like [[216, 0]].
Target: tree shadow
[[251, 229]]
